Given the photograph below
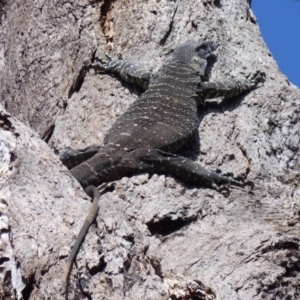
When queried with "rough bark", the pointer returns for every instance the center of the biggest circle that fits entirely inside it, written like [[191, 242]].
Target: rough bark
[[154, 237]]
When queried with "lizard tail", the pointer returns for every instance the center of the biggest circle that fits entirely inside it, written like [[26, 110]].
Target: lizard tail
[[93, 193]]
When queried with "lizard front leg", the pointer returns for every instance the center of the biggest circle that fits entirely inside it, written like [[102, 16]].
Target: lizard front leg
[[128, 71], [230, 87]]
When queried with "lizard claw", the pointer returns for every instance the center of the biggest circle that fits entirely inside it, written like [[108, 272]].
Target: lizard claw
[[102, 61], [250, 184], [222, 189], [105, 64], [243, 184], [108, 56], [256, 78]]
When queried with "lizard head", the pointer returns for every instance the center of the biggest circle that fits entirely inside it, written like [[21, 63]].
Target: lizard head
[[195, 55]]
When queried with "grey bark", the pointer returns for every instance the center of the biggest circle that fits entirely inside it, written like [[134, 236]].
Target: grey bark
[[154, 237]]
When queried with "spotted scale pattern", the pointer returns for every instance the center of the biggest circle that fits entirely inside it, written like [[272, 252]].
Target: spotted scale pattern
[[162, 118], [146, 137]]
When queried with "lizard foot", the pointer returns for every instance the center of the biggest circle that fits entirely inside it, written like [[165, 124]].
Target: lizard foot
[[71, 157], [222, 189], [109, 63], [256, 77], [250, 184]]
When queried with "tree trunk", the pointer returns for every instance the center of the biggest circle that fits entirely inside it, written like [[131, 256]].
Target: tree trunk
[[154, 237]]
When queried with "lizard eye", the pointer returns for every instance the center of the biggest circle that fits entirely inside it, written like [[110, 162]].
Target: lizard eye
[[204, 46], [205, 49]]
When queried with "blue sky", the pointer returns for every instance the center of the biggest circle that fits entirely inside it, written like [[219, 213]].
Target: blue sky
[[279, 23]]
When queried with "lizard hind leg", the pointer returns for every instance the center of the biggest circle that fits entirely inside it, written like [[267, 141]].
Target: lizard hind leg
[[163, 162], [71, 157]]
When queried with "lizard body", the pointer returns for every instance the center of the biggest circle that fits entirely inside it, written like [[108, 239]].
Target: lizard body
[[148, 135]]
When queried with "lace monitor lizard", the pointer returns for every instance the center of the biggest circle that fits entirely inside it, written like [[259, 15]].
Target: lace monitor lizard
[[146, 137]]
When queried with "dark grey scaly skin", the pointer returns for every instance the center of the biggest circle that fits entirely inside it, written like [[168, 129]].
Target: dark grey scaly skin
[[146, 137]]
